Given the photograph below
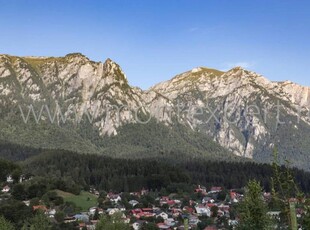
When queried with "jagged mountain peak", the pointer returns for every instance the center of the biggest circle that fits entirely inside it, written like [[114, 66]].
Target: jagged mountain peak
[[241, 71], [206, 70], [76, 55], [76, 82], [108, 60], [237, 68], [113, 68]]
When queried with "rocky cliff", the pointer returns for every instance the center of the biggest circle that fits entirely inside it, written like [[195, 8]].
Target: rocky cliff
[[242, 111]]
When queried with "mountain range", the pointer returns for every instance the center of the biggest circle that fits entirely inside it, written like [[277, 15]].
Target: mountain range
[[74, 103]]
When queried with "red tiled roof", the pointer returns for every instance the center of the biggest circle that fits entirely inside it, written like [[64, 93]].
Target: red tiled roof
[[41, 207], [170, 202], [147, 209], [216, 189], [211, 228]]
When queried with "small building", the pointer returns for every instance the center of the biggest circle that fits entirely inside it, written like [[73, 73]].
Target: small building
[[201, 189], [133, 203], [112, 211], [215, 189], [202, 210], [163, 226], [163, 215], [9, 179], [138, 224], [115, 198], [82, 217], [6, 189], [51, 213]]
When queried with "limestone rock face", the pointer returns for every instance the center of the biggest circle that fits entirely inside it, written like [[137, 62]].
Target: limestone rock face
[[238, 108], [241, 110], [79, 87]]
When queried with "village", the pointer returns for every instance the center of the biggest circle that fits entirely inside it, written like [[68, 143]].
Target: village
[[207, 209]]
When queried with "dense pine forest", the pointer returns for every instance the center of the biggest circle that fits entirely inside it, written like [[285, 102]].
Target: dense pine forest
[[73, 172], [47, 171]]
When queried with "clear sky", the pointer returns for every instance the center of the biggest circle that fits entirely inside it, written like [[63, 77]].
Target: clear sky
[[153, 40]]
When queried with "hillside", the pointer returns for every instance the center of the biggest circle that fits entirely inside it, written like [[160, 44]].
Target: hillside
[[73, 103]]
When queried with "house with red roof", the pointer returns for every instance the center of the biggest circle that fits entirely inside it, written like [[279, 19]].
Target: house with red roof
[[40, 207], [215, 189], [201, 189]]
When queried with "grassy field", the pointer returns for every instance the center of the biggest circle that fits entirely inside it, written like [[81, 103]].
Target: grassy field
[[85, 200]]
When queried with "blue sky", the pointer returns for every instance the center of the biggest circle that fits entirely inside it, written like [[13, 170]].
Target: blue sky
[[155, 40]]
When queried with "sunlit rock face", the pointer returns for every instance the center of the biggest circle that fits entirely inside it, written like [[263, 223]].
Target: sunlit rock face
[[239, 109], [79, 86]]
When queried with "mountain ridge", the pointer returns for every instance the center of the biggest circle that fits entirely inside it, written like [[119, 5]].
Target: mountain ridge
[[203, 100]]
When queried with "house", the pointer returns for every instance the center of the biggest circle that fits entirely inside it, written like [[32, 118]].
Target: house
[[163, 226], [136, 211], [22, 178], [162, 215], [133, 203], [27, 202], [193, 220], [112, 211], [9, 179], [145, 212], [170, 222], [267, 196], [215, 189], [69, 219], [224, 208], [82, 217], [177, 202], [163, 200], [94, 191], [92, 211], [40, 207], [176, 212], [6, 189], [171, 202], [144, 192], [202, 210], [233, 197], [210, 205], [207, 199], [137, 194], [138, 224], [115, 198], [120, 207], [221, 213], [191, 202], [51, 213], [188, 209], [274, 214], [201, 189], [232, 222]]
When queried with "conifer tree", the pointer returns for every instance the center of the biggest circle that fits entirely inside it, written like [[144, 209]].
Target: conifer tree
[[253, 210]]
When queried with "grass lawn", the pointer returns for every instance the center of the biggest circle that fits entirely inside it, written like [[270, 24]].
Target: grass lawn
[[85, 200]]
